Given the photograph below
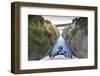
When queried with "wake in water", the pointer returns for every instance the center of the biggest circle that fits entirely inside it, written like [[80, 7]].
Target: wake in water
[[60, 50]]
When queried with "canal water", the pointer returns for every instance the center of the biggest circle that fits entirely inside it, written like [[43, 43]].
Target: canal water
[[60, 50]]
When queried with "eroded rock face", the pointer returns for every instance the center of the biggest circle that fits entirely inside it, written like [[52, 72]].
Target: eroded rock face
[[79, 43], [77, 36]]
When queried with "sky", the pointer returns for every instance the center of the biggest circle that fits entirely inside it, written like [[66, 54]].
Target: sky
[[59, 19]]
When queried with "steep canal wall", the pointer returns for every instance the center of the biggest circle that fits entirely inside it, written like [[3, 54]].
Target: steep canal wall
[[77, 36], [41, 35]]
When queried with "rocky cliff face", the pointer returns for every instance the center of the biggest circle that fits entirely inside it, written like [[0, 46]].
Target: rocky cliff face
[[77, 36], [41, 35]]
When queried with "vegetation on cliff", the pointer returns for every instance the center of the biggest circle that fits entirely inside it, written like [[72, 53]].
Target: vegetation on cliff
[[41, 35]]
